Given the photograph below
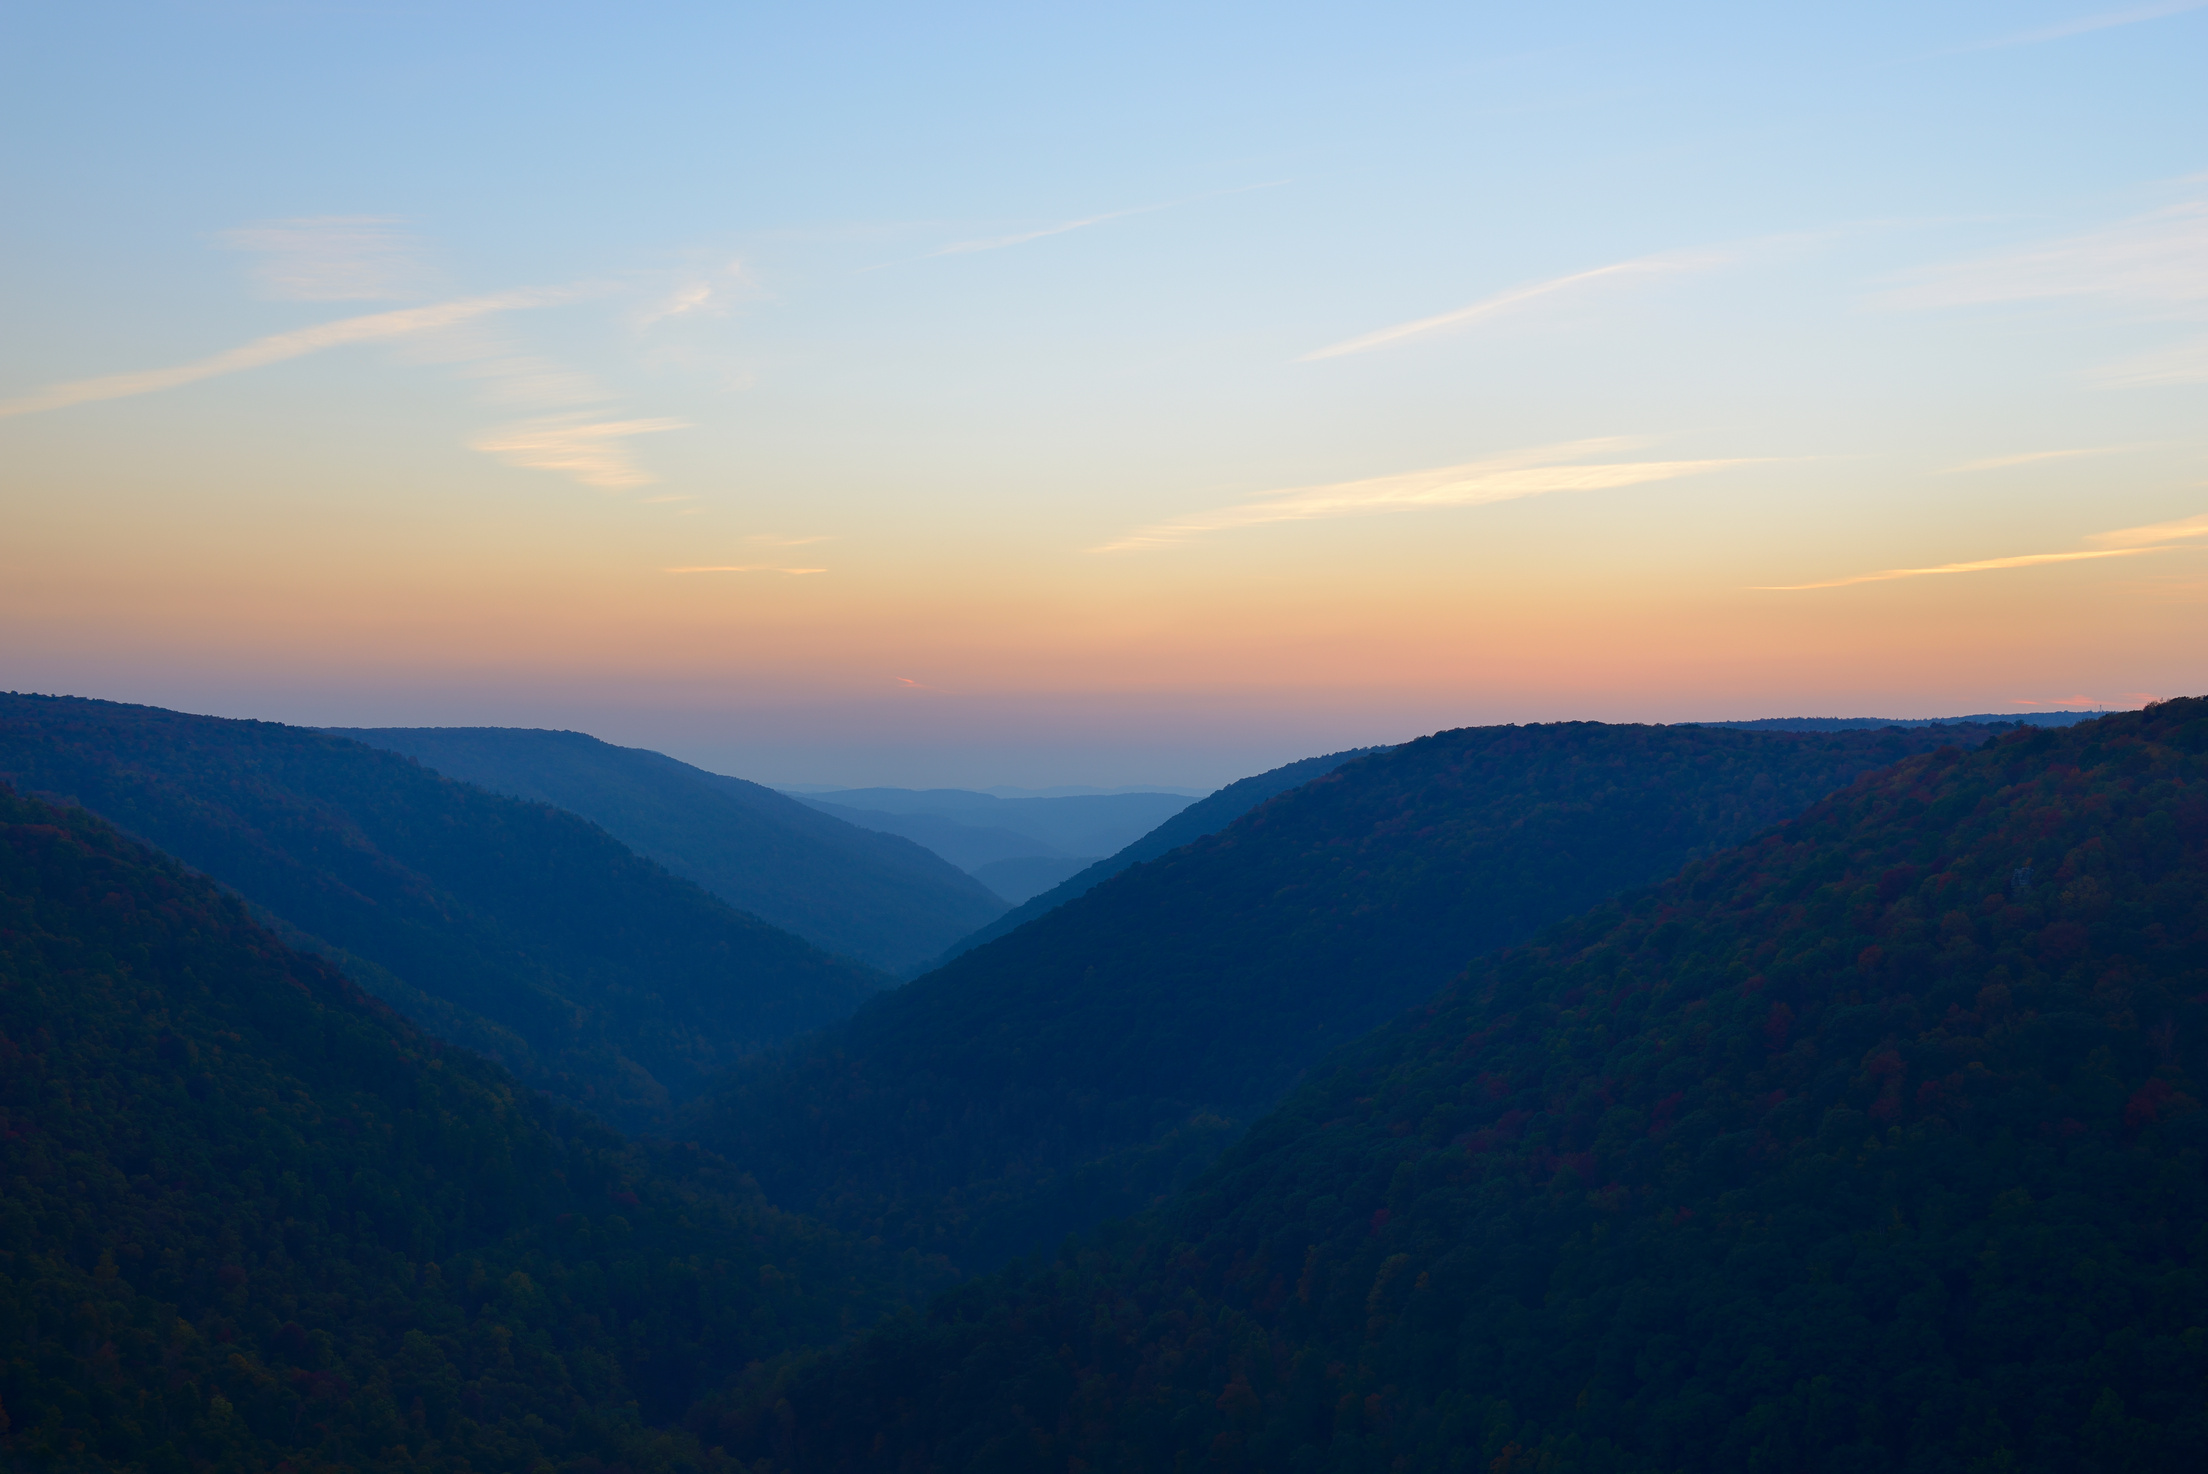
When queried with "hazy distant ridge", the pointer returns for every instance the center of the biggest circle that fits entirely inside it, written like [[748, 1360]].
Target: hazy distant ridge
[[881, 899], [1205, 816], [517, 929]]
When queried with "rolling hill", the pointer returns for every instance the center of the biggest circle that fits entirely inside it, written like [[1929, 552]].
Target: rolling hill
[[1080, 1066], [1874, 1144], [518, 930], [845, 888], [251, 1220]]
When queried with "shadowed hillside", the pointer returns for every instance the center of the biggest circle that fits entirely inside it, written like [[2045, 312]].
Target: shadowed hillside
[[1206, 815], [1875, 1144], [250, 1216], [523, 932], [1084, 1064], [886, 901]]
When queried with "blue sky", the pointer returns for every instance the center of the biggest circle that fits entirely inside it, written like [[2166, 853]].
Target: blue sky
[[1044, 395]]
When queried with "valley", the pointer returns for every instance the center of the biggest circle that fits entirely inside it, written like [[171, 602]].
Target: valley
[[1568, 1096]]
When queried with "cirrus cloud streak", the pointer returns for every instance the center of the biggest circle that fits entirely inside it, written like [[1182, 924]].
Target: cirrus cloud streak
[[375, 327], [1534, 472], [2124, 542], [1664, 264]]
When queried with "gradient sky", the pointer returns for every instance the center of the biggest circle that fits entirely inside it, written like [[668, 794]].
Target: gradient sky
[[1062, 394]]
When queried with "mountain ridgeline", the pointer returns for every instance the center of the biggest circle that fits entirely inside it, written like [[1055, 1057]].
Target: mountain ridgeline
[[1874, 1144], [518, 930], [1019, 847], [1083, 1065], [880, 899], [251, 1220], [1207, 815]]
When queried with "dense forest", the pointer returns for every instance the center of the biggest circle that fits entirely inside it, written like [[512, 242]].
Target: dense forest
[[249, 1219], [1082, 1066], [1208, 815], [1873, 1144], [519, 930], [849, 890]]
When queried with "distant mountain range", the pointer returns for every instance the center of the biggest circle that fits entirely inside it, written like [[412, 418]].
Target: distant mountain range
[[846, 888], [1018, 846], [1875, 1143], [1081, 1065], [516, 929]]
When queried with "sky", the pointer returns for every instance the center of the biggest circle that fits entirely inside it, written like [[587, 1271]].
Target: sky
[[1049, 394]]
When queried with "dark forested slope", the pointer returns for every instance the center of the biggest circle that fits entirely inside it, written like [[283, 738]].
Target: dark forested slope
[[1208, 815], [1076, 1068], [884, 900], [1876, 1144], [248, 1215], [523, 932]]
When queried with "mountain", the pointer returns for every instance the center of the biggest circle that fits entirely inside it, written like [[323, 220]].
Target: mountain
[[850, 890], [1085, 824], [253, 1221], [1205, 816], [516, 929], [1875, 1144], [1081, 1066], [967, 846]]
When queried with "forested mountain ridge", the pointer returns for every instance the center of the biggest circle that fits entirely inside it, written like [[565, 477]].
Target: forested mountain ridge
[[881, 899], [519, 930], [1873, 1144], [1081, 1066], [1207, 815], [250, 1219]]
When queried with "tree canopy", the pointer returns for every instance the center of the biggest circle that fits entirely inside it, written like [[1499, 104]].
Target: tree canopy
[[1873, 1144], [251, 1219]]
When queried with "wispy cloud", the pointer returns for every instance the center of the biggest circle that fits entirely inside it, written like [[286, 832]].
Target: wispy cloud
[[2124, 542], [998, 243], [2183, 363], [1021, 238], [746, 568], [2184, 529], [574, 445], [2033, 457], [334, 258], [574, 430], [698, 296], [1664, 264], [1983, 565], [776, 540], [2157, 262], [2105, 21], [1536, 472], [2153, 267], [377, 327]]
